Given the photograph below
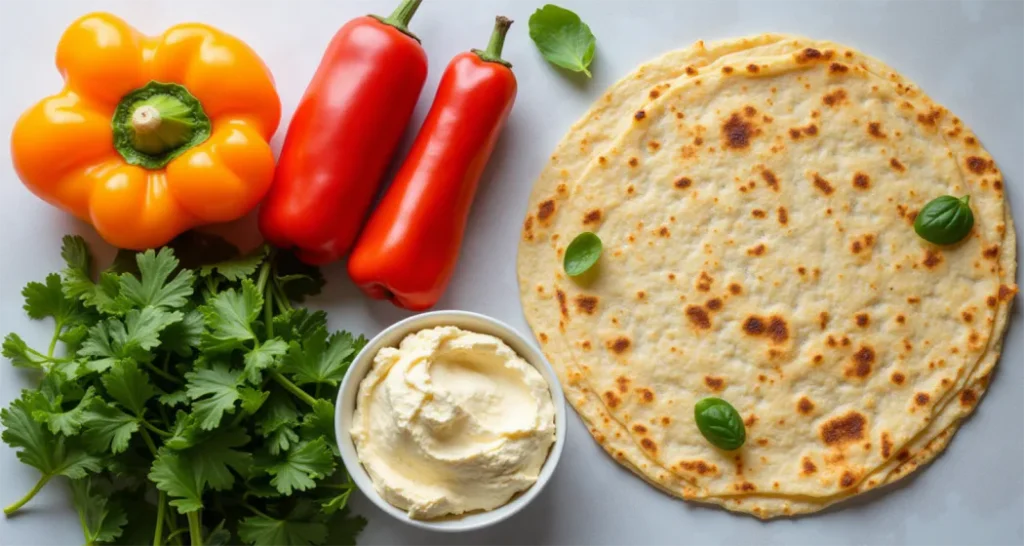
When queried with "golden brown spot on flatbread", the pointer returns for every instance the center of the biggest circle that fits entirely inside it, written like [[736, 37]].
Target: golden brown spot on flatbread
[[895, 164], [862, 361], [968, 397], [735, 288], [834, 98], [561, 302], [664, 232], [991, 252], [630, 189], [611, 399], [1006, 293], [856, 246], [633, 162], [808, 54], [913, 299], [666, 420], [967, 316], [875, 130], [756, 250], [683, 183], [640, 429], [777, 329], [714, 383], [654, 94], [640, 294], [585, 345], [922, 398], [770, 178], [805, 406], [753, 68], [713, 304], [901, 319], [704, 282], [758, 213], [845, 429], [754, 325], [838, 68], [745, 486], [811, 130], [545, 210], [736, 132], [783, 216], [602, 160], [997, 185], [654, 145], [639, 115], [823, 319], [592, 216], [932, 258], [886, 445], [750, 420], [862, 319], [970, 141], [847, 479], [586, 304], [619, 345], [818, 359], [698, 466], [794, 133], [898, 378], [646, 395], [824, 185], [623, 383], [903, 455], [749, 111], [978, 165], [808, 467], [931, 118], [861, 181], [691, 71], [698, 317]]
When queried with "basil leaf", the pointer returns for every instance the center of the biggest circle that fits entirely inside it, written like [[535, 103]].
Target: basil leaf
[[720, 423], [582, 253], [562, 38], [945, 220]]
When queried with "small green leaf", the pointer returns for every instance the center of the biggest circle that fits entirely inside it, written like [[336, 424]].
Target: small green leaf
[[129, 386], [108, 428], [49, 453], [267, 355], [152, 287], [214, 391], [562, 38], [102, 518], [21, 356], [945, 220], [302, 527], [720, 423], [239, 268], [182, 337], [321, 359], [67, 422], [582, 253], [301, 466], [173, 475], [230, 315]]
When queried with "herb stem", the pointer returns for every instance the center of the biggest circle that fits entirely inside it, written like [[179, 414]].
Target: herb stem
[[53, 341], [254, 510], [161, 503], [149, 441], [161, 373], [28, 496], [159, 432], [85, 526], [166, 363], [172, 526], [195, 529], [293, 388], [176, 535]]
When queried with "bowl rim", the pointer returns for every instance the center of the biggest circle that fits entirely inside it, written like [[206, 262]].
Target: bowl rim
[[390, 337]]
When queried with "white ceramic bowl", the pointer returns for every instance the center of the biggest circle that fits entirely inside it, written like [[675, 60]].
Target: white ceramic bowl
[[391, 337]]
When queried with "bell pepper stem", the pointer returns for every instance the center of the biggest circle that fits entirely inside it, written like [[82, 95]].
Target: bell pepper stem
[[161, 123], [493, 52], [401, 16], [158, 122]]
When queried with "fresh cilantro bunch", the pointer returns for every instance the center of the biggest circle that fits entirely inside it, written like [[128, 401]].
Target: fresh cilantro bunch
[[190, 402]]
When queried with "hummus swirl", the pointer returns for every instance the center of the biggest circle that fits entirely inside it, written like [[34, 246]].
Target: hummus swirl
[[452, 421]]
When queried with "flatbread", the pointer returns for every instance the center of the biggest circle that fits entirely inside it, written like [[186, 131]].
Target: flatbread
[[684, 168]]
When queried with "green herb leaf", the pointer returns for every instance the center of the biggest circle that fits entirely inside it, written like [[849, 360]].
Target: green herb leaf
[[238, 268], [265, 356], [277, 421], [321, 359], [131, 338], [720, 423], [102, 518], [152, 288], [562, 38], [300, 528], [173, 475], [297, 279], [67, 422], [184, 475], [48, 300], [184, 336], [21, 355], [945, 220], [582, 253], [296, 324], [39, 448], [301, 466], [129, 386], [344, 527], [320, 423], [214, 391], [107, 428], [229, 315]]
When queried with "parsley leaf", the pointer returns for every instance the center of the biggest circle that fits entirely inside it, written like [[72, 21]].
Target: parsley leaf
[[301, 466], [300, 528], [48, 300], [51, 454], [562, 38], [101, 518], [129, 386], [21, 355], [296, 324], [320, 423], [114, 339], [277, 421], [185, 474], [321, 359], [173, 475], [67, 422], [238, 268], [182, 337], [107, 428], [152, 288], [219, 386], [263, 357], [229, 315]]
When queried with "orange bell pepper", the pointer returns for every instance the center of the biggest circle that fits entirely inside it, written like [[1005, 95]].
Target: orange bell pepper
[[151, 136]]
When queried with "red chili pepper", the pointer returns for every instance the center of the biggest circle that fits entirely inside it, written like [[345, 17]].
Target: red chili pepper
[[408, 250], [343, 135]]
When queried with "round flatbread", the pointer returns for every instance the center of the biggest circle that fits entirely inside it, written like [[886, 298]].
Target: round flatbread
[[755, 199]]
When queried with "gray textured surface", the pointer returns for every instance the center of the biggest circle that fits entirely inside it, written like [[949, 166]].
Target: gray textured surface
[[968, 56]]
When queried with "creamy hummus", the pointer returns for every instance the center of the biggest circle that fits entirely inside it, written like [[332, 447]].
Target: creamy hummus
[[451, 422]]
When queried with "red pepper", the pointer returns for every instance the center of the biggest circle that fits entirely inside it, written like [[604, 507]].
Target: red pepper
[[343, 135], [408, 249]]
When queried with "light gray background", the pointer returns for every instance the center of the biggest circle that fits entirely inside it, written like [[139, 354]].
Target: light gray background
[[968, 56]]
